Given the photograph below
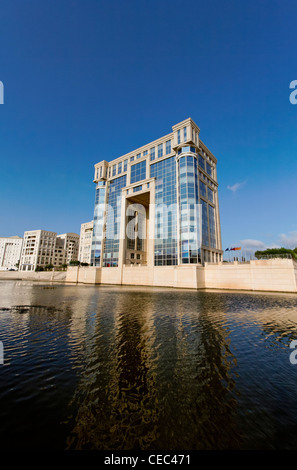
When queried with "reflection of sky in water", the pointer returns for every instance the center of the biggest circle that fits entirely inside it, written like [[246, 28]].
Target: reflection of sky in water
[[146, 368]]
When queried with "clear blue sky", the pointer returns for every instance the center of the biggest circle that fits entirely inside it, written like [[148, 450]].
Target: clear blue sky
[[87, 80]]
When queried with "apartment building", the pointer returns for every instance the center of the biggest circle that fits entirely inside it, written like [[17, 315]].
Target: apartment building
[[10, 252], [38, 249], [85, 242], [41, 248], [70, 242]]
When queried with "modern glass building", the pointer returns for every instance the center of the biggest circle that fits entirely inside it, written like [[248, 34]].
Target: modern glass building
[[158, 205]]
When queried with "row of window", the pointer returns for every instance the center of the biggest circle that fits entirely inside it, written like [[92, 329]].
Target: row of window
[[121, 167]]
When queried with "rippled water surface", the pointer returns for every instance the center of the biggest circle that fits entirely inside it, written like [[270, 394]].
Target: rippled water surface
[[119, 368]]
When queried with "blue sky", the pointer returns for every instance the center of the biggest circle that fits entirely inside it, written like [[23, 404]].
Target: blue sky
[[87, 80]]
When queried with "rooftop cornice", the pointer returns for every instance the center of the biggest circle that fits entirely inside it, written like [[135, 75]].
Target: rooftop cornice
[[184, 123]]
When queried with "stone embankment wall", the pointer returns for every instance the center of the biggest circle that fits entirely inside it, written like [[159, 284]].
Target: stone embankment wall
[[276, 275], [53, 276]]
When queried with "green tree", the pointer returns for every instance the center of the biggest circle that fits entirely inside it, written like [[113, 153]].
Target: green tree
[[276, 251]]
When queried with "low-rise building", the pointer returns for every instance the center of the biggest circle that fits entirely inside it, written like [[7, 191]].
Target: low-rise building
[[71, 245], [41, 248], [85, 242], [38, 249], [10, 252]]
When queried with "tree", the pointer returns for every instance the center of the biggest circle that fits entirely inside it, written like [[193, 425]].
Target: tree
[[48, 267], [74, 263], [274, 252]]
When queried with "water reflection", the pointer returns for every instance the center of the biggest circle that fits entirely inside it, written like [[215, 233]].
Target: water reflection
[[167, 385], [136, 368]]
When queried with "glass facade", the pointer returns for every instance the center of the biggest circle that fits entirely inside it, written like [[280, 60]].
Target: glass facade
[[138, 172], [168, 147], [160, 150], [205, 241], [201, 162], [190, 238], [210, 195], [112, 242], [202, 189], [165, 200], [97, 239], [137, 188], [152, 154], [208, 169], [212, 226]]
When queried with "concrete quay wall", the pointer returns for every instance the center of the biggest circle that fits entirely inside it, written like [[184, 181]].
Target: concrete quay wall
[[52, 276], [276, 275]]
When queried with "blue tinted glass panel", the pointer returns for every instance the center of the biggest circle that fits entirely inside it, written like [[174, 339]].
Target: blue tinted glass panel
[[160, 150], [96, 250], [201, 162], [212, 226], [208, 169], [202, 188], [190, 238], [138, 172], [168, 147], [165, 194], [111, 245]]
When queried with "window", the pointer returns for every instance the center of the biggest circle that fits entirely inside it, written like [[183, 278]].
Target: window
[[138, 156], [160, 150], [202, 188], [185, 134], [119, 168], [132, 255], [201, 162], [138, 172], [210, 195], [145, 153], [125, 165], [137, 188], [168, 147], [178, 136], [208, 169], [131, 159], [138, 256], [114, 170], [152, 153]]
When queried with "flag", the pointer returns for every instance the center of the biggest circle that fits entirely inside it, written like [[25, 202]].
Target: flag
[[237, 248], [227, 249]]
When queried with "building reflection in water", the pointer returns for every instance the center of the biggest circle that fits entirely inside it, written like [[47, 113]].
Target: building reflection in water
[[156, 375], [146, 368]]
